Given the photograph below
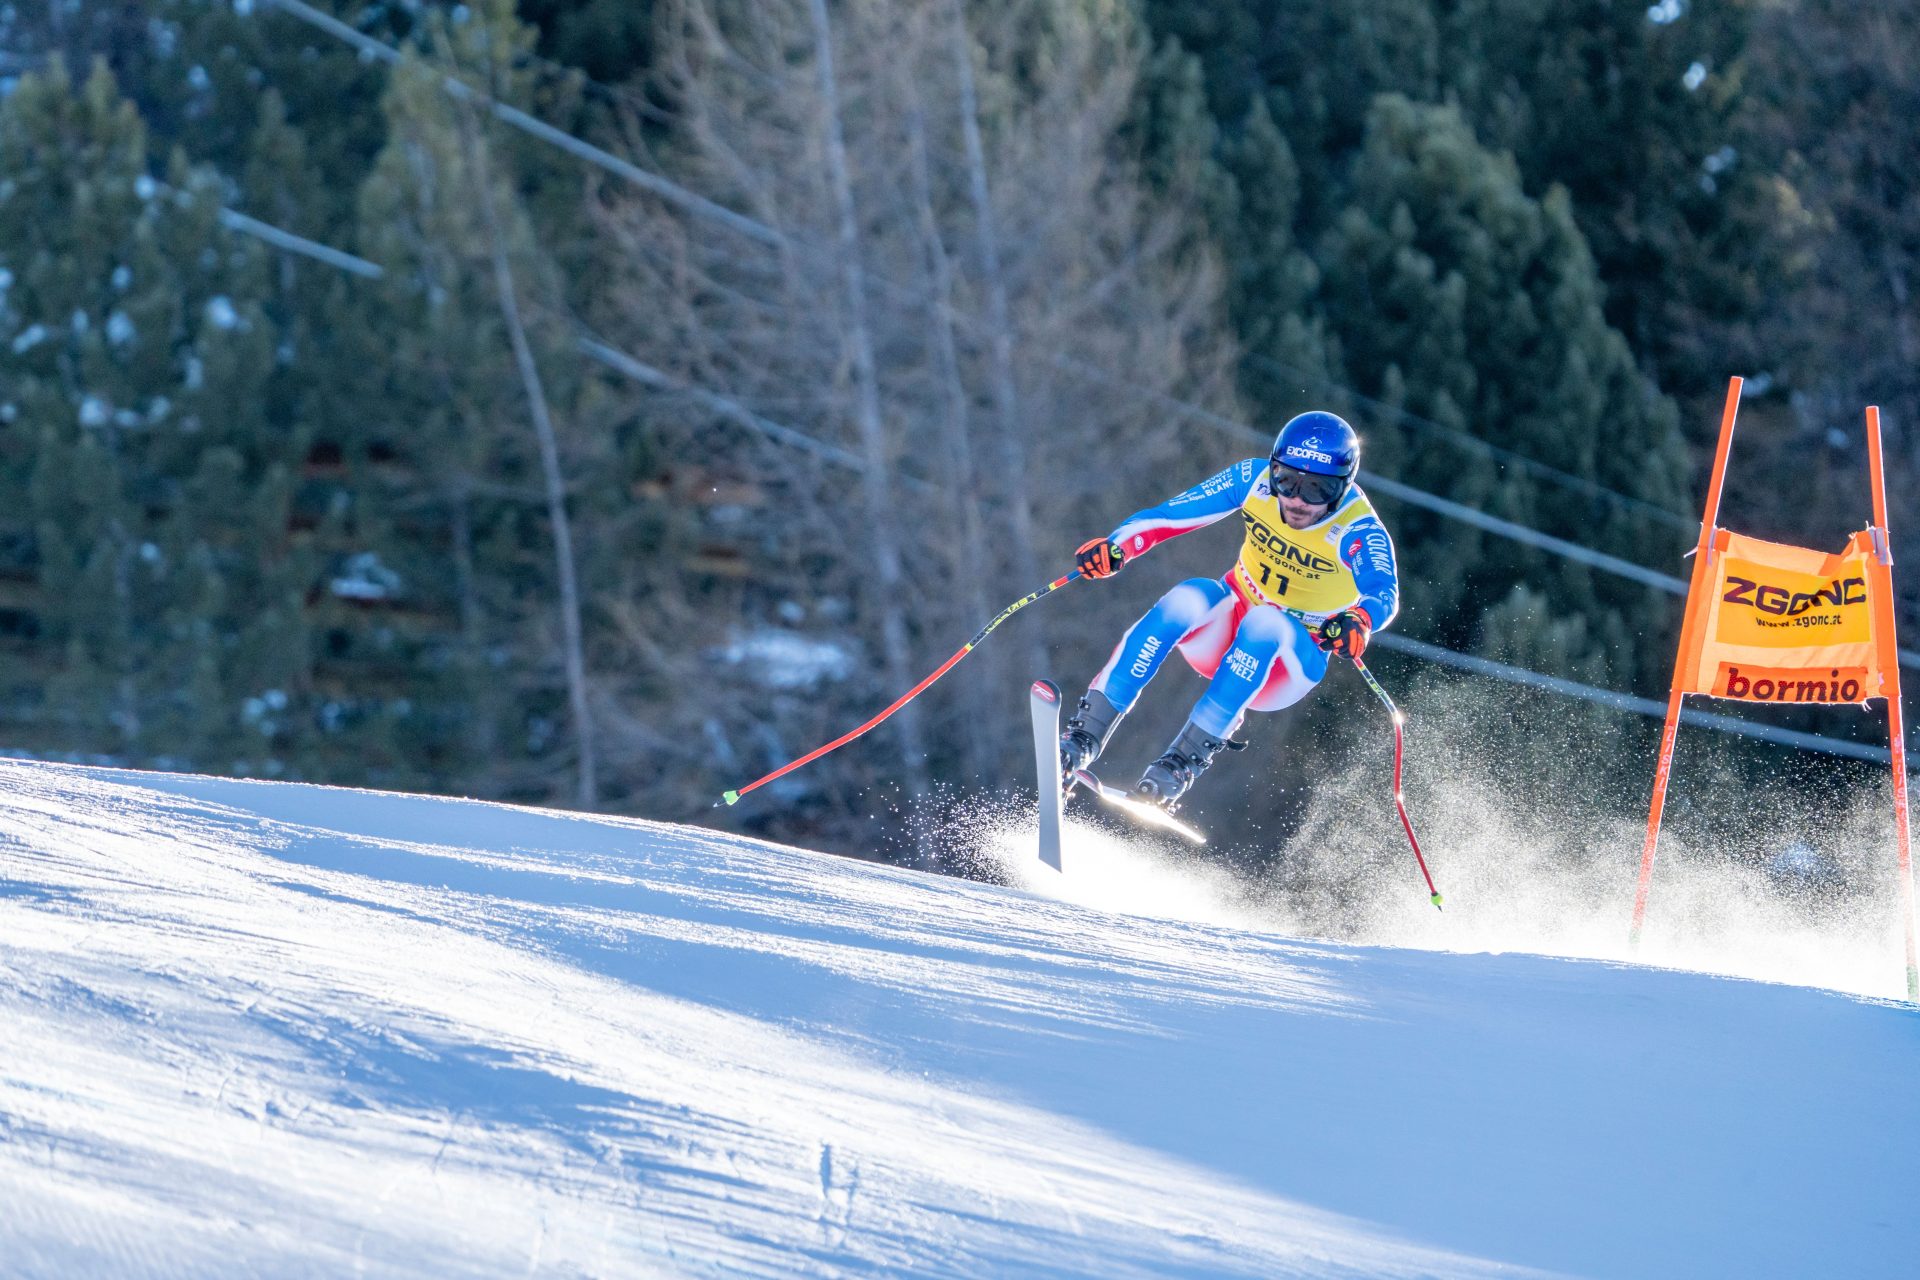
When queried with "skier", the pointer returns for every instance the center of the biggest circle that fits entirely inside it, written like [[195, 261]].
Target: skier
[[1315, 577]]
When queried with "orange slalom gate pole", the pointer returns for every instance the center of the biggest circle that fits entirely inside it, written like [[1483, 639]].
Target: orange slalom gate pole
[[1689, 631], [1661, 773], [1889, 656]]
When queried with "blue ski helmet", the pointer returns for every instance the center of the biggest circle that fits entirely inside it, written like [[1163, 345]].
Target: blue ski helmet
[[1315, 457]]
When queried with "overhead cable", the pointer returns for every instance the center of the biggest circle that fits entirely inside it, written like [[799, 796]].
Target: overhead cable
[[649, 376], [1626, 701], [1474, 443], [670, 191], [767, 235], [700, 205]]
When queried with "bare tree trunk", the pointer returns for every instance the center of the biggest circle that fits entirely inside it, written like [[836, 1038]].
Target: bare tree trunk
[[572, 641], [126, 712], [474, 648], [887, 582], [126, 689], [1903, 328], [964, 486], [1006, 392]]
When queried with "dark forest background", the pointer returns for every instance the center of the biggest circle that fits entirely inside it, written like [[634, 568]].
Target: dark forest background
[[563, 484]]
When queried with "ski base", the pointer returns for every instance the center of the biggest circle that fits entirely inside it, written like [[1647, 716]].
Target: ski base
[[1139, 810], [1044, 698]]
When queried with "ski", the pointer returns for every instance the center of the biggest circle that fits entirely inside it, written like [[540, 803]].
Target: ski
[[1139, 810], [1045, 701]]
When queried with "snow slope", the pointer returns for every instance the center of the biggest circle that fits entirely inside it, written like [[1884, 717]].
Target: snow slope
[[259, 1029]]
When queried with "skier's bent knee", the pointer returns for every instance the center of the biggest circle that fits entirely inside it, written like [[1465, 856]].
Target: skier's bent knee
[[1187, 603]]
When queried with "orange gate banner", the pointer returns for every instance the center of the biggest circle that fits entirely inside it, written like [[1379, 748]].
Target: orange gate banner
[[1786, 624], [1767, 622]]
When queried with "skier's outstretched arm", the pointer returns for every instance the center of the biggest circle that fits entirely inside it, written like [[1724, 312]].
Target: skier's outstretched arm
[[1212, 499]]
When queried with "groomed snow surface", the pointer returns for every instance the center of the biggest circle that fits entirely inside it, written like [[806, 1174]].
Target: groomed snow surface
[[251, 1029]]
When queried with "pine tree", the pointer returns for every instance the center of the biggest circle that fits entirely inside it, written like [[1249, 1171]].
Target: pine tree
[[446, 470], [1641, 115], [197, 72], [148, 476], [1316, 67], [1455, 295], [610, 40]]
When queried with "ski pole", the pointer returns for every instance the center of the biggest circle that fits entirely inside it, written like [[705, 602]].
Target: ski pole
[[1399, 798], [733, 797]]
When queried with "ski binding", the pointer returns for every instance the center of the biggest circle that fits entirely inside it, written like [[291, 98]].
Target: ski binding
[[1139, 810]]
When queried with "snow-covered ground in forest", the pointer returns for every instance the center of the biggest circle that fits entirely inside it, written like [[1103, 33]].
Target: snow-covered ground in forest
[[262, 1029]]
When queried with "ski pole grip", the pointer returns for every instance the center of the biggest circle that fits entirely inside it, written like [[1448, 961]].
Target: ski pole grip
[[1099, 558]]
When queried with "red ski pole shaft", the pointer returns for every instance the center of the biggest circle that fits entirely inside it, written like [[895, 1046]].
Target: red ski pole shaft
[[1399, 797], [733, 797]]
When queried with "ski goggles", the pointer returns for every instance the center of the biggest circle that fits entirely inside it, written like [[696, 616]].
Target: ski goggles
[[1307, 486]]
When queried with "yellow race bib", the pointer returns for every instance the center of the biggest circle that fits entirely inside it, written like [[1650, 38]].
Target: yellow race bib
[[1297, 569]]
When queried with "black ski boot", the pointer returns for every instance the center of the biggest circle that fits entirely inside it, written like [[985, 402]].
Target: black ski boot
[[1086, 733], [1168, 777]]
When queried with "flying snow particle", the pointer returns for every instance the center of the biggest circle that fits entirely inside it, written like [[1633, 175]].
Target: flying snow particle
[[220, 312], [119, 329], [80, 322], [6, 279], [29, 338], [95, 412], [1695, 77], [144, 187], [122, 277], [198, 77]]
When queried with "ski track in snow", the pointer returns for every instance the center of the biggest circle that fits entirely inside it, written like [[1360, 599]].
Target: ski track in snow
[[255, 1029]]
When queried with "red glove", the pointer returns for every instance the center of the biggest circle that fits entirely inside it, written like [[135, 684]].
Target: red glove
[[1099, 558], [1345, 633]]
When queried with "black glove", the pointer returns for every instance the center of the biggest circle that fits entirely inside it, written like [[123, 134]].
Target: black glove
[[1099, 559], [1345, 633]]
